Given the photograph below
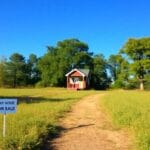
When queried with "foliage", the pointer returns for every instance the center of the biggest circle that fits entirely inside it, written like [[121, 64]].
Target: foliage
[[99, 79], [131, 109], [125, 72], [50, 69], [147, 82], [2, 72], [15, 70], [33, 74], [138, 51], [114, 62], [69, 54], [119, 69], [59, 60]]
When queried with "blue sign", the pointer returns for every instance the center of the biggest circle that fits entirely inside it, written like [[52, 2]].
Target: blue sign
[[8, 106]]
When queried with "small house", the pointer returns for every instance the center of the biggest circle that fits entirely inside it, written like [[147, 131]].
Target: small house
[[78, 79]]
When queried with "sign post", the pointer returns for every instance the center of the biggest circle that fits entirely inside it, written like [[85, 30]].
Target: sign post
[[4, 125], [7, 106]]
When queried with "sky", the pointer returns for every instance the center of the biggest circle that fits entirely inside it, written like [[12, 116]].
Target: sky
[[28, 26]]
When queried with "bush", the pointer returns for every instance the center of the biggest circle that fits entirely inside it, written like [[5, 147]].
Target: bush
[[147, 85]]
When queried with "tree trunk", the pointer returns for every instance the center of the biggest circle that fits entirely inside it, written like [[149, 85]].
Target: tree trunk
[[141, 85]]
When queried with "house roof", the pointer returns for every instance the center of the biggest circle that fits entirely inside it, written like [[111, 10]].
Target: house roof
[[83, 72]]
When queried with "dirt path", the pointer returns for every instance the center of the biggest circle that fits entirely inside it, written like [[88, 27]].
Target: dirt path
[[88, 128]]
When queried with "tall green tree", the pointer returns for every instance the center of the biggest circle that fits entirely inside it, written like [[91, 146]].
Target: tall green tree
[[61, 59], [16, 70], [138, 51], [31, 69], [48, 65], [114, 62], [100, 79], [119, 69]]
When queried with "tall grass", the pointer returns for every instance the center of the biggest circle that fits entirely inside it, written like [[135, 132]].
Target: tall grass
[[131, 109], [37, 115]]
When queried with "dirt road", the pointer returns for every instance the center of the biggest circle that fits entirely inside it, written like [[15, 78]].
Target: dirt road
[[88, 128]]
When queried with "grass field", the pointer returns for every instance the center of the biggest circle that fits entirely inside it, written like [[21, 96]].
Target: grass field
[[38, 112], [131, 109], [37, 115]]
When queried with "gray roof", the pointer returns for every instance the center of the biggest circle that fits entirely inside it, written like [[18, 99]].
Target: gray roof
[[85, 71]]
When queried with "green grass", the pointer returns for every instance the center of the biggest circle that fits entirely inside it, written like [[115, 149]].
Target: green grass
[[37, 115], [39, 110], [131, 109]]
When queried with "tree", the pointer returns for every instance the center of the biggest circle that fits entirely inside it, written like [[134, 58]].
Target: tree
[[2, 72], [114, 62], [100, 79], [119, 69], [61, 59], [138, 51], [32, 71], [48, 65], [16, 70]]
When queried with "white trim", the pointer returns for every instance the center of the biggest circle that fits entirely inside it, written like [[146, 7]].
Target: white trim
[[75, 70]]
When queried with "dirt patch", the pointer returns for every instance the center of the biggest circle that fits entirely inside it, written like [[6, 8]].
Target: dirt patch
[[87, 127]]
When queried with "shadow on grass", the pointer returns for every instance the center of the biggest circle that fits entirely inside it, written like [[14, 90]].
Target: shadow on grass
[[56, 132], [31, 100]]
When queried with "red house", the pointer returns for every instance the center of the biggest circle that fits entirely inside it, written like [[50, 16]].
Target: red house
[[78, 79]]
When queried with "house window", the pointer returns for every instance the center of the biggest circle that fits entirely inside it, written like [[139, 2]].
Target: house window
[[74, 80]]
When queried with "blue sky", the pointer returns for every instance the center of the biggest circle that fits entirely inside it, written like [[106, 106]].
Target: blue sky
[[28, 26]]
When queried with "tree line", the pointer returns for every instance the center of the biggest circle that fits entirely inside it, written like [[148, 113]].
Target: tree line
[[127, 69]]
